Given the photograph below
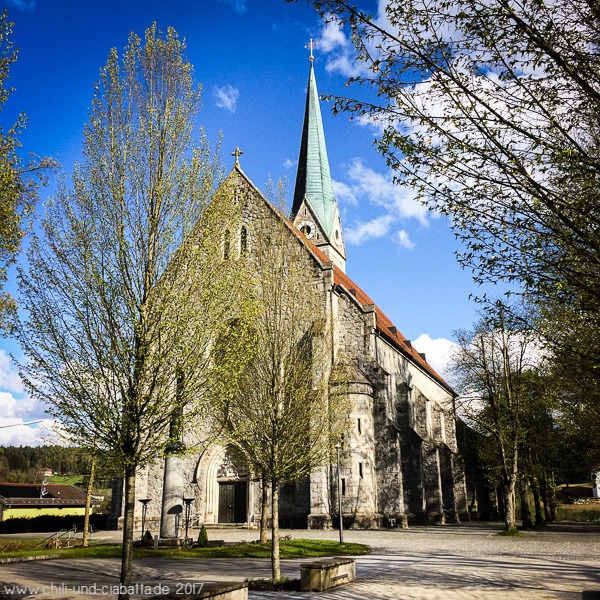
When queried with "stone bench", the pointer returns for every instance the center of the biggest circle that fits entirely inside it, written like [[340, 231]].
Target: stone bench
[[324, 574], [212, 589]]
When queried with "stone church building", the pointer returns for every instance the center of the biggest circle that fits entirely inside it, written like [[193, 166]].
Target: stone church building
[[399, 461]]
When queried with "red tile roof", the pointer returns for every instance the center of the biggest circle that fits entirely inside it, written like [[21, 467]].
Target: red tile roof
[[386, 328]]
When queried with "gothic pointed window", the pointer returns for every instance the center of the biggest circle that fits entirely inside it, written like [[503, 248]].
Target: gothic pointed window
[[226, 245], [243, 240]]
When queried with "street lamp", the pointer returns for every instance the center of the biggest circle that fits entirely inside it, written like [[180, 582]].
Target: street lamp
[[188, 509], [144, 502], [338, 446]]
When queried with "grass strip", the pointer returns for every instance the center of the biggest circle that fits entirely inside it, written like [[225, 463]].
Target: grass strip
[[297, 548]]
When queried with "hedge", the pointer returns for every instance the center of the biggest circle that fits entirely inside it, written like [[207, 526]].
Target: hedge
[[49, 523]]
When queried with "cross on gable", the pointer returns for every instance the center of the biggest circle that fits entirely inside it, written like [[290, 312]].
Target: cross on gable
[[237, 153]]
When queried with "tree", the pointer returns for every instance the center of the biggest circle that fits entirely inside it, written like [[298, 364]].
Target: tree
[[574, 385], [289, 407], [490, 111], [18, 181], [126, 289], [492, 366]]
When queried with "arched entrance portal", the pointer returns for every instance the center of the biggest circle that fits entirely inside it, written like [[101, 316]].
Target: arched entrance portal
[[224, 481]]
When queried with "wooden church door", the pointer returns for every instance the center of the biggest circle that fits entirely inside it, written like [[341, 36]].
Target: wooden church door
[[233, 502]]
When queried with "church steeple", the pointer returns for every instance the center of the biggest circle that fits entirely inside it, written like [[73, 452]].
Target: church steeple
[[315, 210]]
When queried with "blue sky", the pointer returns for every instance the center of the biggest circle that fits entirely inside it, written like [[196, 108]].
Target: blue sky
[[251, 59]]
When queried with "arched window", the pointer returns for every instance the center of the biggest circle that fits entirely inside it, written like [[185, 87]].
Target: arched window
[[243, 240], [226, 245]]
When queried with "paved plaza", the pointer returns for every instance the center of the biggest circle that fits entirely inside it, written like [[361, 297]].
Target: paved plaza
[[451, 562]]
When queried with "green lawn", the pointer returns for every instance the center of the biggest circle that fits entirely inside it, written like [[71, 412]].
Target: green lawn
[[77, 480], [289, 549]]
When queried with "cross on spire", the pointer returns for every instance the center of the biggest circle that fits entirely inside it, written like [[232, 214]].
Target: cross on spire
[[311, 45], [237, 153]]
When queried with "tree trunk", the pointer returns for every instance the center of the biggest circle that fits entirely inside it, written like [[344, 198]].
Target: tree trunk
[[88, 501], [127, 551], [537, 501], [544, 494], [527, 523], [551, 489], [264, 510], [275, 560], [510, 518]]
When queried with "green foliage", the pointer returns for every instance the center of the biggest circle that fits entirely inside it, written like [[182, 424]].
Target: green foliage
[[48, 523], [493, 367], [122, 288], [490, 111], [63, 460], [288, 385], [202, 537], [287, 407], [579, 514]]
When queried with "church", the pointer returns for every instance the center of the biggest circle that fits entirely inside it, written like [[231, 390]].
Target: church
[[399, 463]]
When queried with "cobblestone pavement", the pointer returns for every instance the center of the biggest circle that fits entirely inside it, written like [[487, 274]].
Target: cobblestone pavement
[[453, 562], [470, 561]]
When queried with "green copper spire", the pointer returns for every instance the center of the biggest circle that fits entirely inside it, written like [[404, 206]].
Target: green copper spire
[[313, 179]]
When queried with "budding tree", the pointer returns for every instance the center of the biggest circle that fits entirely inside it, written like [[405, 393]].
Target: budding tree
[[125, 289], [493, 366], [289, 407]]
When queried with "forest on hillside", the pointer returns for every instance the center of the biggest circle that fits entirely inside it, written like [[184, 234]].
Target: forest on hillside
[[26, 464]]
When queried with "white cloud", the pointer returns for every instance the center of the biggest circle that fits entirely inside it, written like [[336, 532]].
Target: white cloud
[[227, 97], [334, 41], [381, 190], [376, 228], [9, 376], [289, 163], [346, 64], [333, 37], [344, 193], [437, 351], [11, 407], [18, 434], [404, 240], [17, 408], [398, 204]]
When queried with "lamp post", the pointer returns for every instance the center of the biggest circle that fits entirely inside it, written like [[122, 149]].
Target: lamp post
[[339, 492], [144, 502], [188, 509]]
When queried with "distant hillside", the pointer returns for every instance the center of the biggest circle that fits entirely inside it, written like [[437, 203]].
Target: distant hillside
[[31, 464]]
